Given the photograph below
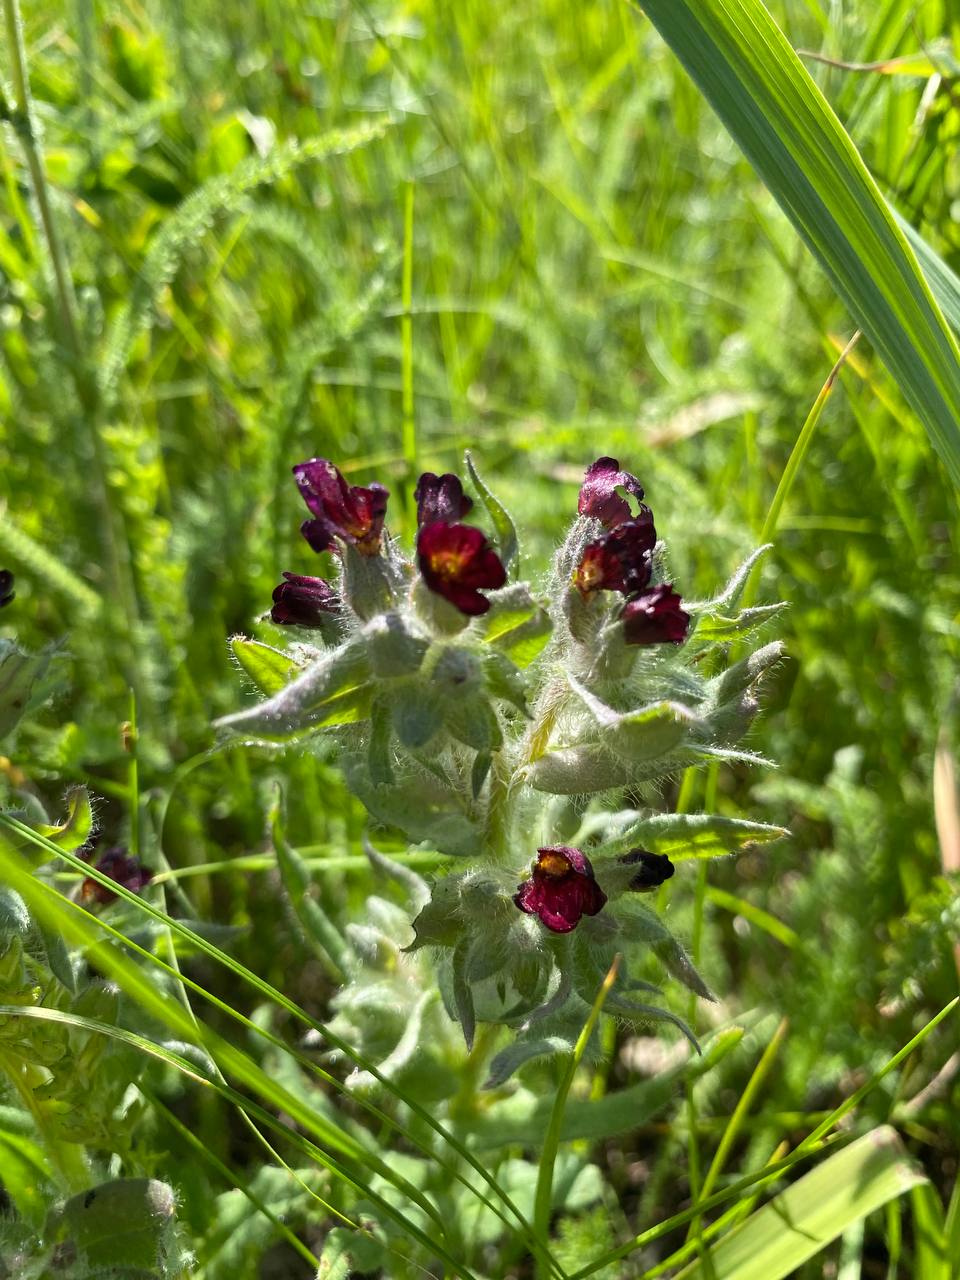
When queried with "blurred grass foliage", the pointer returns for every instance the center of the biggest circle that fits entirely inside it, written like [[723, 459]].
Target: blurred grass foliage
[[595, 268]]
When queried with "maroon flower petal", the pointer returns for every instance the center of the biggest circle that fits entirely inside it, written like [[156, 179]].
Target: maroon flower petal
[[561, 889], [6, 587], [121, 868], [598, 494], [619, 560], [456, 562], [303, 601], [351, 513], [440, 498], [655, 617], [653, 869]]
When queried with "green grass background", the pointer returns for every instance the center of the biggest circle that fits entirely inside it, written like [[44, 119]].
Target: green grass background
[[594, 268]]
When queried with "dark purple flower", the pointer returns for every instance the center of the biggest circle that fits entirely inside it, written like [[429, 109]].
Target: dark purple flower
[[456, 561], [561, 889], [440, 498], [303, 602], [652, 869], [350, 513], [6, 587], [655, 617], [599, 497], [619, 560], [120, 867]]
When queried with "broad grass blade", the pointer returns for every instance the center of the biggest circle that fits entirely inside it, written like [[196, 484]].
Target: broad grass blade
[[805, 1218], [746, 68]]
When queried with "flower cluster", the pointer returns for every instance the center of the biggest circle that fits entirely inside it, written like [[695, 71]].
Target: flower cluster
[[621, 559], [455, 560], [481, 716]]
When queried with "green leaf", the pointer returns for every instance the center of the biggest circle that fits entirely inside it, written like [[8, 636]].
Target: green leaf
[[524, 1121], [193, 218], [320, 695], [270, 669], [640, 735], [25, 1174], [639, 922], [692, 835], [746, 68], [319, 930], [941, 278], [719, 628], [801, 1221], [503, 526], [931, 1259], [462, 995], [19, 672], [70, 835], [517, 626], [440, 922], [118, 1224]]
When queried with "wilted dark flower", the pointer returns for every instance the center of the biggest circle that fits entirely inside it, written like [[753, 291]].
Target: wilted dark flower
[[441, 498], [652, 869], [303, 601], [599, 497], [456, 561], [561, 889], [655, 617], [120, 867], [350, 513], [619, 560], [6, 587]]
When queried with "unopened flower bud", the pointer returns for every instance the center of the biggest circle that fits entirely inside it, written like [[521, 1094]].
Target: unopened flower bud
[[653, 869], [655, 617], [301, 601], [125, 870], [440, 498]]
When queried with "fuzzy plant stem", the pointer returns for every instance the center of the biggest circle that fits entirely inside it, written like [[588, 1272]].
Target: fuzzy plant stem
[[24, 123]]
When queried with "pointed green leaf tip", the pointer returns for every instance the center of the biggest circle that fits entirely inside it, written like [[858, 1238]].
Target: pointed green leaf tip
[[692, 835], [269, 669], [69, 835], [321, 694], [506, 532]]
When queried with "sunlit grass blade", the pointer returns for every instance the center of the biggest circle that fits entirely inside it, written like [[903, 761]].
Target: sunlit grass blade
[[798, 1223], [62, 907], [740, 1111], [551, 1142], [746, 68], [815, 1141], [186, 1068], [226, 1173]]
